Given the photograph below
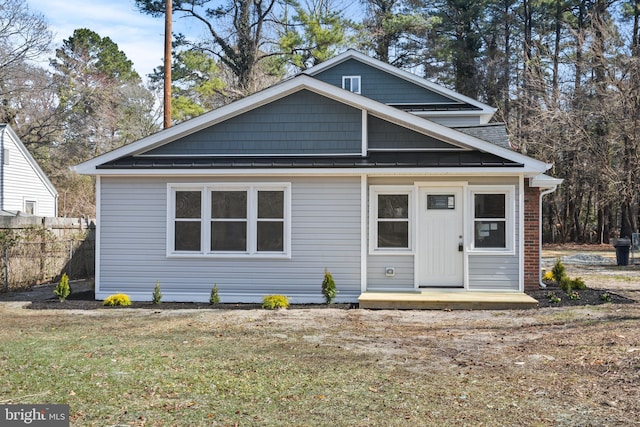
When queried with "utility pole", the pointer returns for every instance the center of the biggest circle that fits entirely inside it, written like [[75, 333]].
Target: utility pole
[[167, 63]]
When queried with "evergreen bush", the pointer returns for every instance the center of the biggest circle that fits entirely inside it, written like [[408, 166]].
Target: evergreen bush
[[62, 289], [214, 298], [328, 287], [157, 295]]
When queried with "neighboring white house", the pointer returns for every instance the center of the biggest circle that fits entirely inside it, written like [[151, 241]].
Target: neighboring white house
[[24, 187]]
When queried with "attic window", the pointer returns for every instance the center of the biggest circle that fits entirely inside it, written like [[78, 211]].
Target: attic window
[[351, 83]]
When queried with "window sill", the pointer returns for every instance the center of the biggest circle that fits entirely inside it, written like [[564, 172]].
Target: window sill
[[229, 255]]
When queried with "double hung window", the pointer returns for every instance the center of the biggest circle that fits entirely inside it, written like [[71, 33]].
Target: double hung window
[[391, 213], [493, 219], [236, 220]]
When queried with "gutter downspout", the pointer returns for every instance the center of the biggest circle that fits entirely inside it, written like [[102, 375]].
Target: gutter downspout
[[544, 193]]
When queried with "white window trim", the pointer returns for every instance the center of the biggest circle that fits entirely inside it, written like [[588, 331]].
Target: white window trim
[[510, 221], [35, 205], [205, 218], [352, 79], [376, 190]]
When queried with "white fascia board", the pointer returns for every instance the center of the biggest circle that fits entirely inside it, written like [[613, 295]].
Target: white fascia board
[[390, 171], [295, 84], [487, 111], [545, 181]]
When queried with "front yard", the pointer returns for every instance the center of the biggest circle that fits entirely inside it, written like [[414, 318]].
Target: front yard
[[552, 366]]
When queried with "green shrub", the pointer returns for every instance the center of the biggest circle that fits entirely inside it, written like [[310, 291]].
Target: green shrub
[[552, 297], [566, 284], [574, 295], [117, 300], [214, 298], [328, 287], [605, 296], [62, 289], [156, 298], [558, 270], [578, 284], [272, 302]]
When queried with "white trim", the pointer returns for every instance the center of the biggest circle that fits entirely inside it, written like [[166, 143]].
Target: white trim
[[510, 228], [26, 200], [98, 231], [341, 171], [521, 233], [486, 111], [304, 82], [205, 189], [376, 190], [365, 133], [352, 79], [364, 236]]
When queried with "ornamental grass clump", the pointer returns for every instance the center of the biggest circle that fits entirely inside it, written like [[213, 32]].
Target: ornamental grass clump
[[62, 289], [273, 302], [328, 287], [157, 295], [121, 300]]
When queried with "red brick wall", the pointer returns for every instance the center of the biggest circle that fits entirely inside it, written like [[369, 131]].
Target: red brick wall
[[531, 237]]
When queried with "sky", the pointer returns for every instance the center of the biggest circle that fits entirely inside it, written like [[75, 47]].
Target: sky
[[139, 36]]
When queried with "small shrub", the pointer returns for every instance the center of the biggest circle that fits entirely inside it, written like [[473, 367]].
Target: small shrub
[[117, 300], [328, 287], [578, 284], [214, 298], [157, 295], [566, 284], [605, 296], [548, 276], [62, 289], [272, 302], [558, 271], [552, 297], [574, 295]]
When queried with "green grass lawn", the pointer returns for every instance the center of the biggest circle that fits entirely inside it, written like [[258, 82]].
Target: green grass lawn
[[321, 367]]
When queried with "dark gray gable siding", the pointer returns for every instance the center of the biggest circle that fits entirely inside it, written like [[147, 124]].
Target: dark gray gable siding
[[301, 123], [386, 135], [381, 86]]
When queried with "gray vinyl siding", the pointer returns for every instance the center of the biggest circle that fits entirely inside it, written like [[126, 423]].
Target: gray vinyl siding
[[325, 234], [381, 86], [378, 281], [382, 134], [301, 123]]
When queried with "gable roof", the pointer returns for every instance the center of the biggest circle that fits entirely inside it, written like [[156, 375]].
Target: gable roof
[[484, 111], [528, 166], [5, 129]]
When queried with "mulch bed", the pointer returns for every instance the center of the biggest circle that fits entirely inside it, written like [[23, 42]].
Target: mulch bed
[[85, 301], [585, 297]]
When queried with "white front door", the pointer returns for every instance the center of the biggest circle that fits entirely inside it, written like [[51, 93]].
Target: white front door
[[440, 256]]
